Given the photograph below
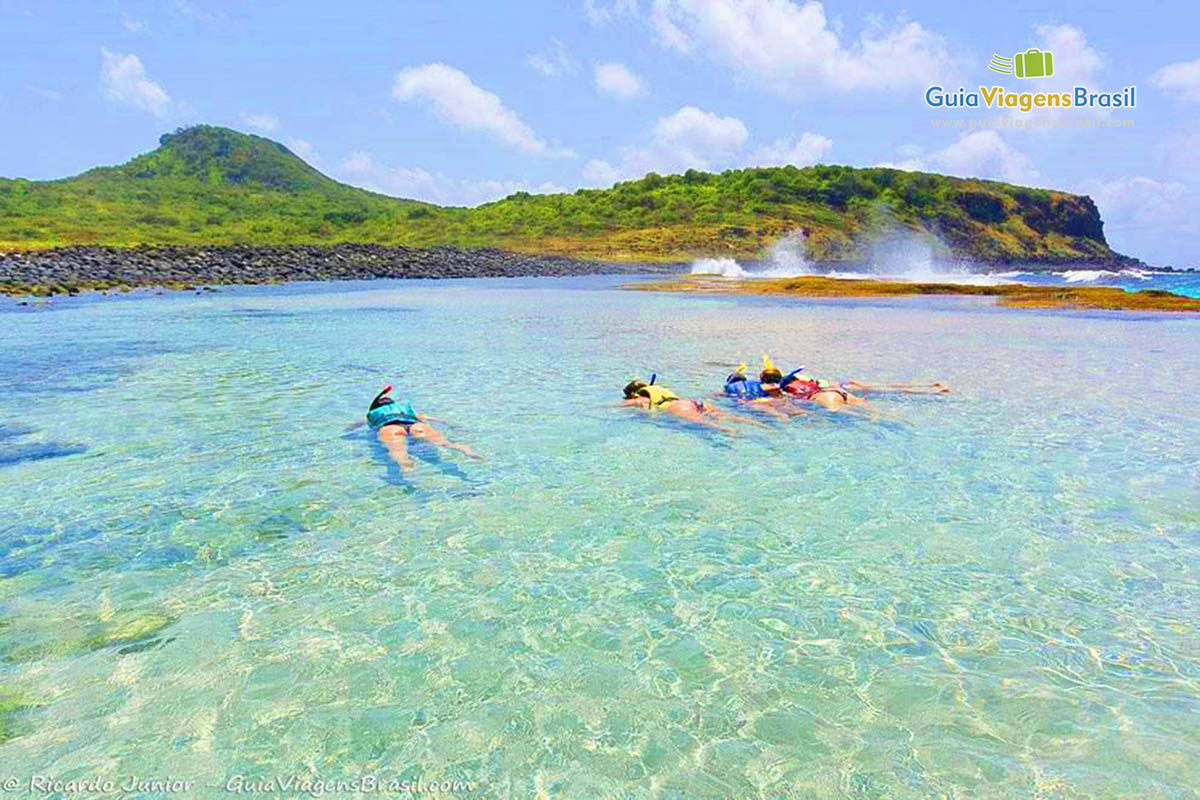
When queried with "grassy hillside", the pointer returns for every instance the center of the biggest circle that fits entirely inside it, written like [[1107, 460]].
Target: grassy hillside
[[208, 185]]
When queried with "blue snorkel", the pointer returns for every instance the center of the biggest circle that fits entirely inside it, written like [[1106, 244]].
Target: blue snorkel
[[791, 376]]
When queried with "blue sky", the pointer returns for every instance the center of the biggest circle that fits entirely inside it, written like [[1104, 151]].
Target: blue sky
[[464, 102]]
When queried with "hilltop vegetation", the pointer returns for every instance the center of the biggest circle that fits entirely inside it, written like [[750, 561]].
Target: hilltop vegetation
[[208, 186]]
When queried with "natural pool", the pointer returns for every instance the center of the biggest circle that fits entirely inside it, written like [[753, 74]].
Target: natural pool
[[203, 576]]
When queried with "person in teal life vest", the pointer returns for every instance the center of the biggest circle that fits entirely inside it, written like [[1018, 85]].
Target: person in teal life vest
[[395, 421]]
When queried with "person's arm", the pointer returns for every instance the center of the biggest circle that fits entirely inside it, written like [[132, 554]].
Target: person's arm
[[427, 418], [770, 408], [353, 426]]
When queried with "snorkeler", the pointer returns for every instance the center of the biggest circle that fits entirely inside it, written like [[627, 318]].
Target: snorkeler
[[765, 394], [830, 395], [648, 397], [393, 422], [837, 395]]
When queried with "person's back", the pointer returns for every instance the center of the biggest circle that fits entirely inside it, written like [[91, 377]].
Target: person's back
[[395, 421]]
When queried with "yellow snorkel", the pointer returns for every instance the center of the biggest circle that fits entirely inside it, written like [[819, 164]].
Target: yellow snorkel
[[770, 373]]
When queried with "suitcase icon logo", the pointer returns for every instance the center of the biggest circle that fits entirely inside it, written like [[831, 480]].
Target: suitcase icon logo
[[1033, 63]]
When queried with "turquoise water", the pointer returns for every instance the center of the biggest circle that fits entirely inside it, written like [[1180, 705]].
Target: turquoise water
[[1184, 283], [204, 576]]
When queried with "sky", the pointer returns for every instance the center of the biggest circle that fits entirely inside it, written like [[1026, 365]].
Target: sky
[[465, 102]]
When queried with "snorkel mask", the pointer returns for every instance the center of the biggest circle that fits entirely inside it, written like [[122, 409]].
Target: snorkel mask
[[770, 373], [636, 385]]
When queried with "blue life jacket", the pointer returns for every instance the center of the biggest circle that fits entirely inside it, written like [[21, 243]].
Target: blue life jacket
[[745, 390]]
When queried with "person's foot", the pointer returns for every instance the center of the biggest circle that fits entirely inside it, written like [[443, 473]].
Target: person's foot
[[941, 387]]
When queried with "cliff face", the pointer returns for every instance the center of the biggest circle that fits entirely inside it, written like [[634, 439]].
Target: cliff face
[[213, 186], [1024, 225]]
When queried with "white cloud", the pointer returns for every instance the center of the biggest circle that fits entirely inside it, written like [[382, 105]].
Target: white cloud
[[599, 172], [808, 149], [788, 46], [555, 62], [1076, 63], [983, 154], [463, 104], [698, 135], [260, 122], [600, 12], [1157, 220], [691, 138], [132, 23], [980, 154], [124, 79], [432, 187], [1139, 201], [616, 79], [1182, 78]]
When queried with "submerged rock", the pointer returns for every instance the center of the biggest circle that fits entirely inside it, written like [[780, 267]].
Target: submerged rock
[[131, 632], [14, 710]]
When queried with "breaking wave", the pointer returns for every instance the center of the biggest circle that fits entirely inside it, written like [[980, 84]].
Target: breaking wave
[[785, 260], [1091, 275]]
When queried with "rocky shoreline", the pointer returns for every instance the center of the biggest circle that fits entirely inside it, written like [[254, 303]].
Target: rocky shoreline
[[70, 270]]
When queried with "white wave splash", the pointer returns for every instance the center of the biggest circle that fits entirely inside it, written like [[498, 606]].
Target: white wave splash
[[724, 267], [785, 260], [1091, 275]]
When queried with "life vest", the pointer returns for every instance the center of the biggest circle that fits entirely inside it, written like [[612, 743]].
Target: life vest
[[805, 386], [745, 390], [657, 395], [401, 412]]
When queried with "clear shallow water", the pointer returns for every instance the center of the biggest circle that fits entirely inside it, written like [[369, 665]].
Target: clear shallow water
[[203, 576]]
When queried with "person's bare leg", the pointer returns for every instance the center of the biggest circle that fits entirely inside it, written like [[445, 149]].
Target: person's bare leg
[[688, 412], [716, 413], [769, 408], [430, 434], [904, 388], [395, 441]]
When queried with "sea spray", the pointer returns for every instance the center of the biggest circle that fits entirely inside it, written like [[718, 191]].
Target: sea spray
[[785, 259], [724, 267], [901, 253]]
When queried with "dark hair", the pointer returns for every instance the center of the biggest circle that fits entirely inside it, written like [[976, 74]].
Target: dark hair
[[633, 387], [734, 377], [770, 375]]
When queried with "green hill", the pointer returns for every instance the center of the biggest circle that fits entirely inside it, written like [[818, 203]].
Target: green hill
[[208, 186]]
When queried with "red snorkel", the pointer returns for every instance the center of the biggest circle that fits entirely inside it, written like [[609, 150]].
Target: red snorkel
[[380, 396]]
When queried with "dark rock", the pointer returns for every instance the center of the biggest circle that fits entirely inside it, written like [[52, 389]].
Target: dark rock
[[72, 269]]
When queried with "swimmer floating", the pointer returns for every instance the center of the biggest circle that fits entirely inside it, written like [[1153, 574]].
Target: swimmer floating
[[648, 397], [395, 421]]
